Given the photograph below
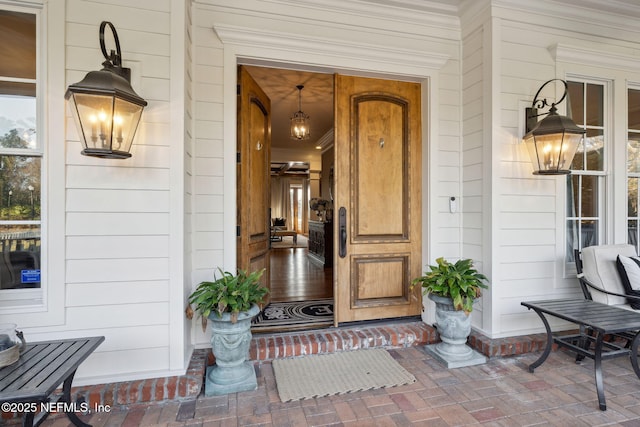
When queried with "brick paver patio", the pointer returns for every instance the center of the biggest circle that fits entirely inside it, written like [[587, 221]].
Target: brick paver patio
[[499, 393]]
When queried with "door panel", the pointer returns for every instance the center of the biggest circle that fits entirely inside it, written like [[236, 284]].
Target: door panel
[[378, 182], [381, 178], [253, 176]]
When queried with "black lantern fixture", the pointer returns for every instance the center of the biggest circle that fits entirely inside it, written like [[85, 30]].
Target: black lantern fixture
[[300, 121], [552, 142], [105, 107]]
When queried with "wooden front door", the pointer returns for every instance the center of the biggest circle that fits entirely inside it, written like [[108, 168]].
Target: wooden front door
[[377, 209], [253, 176]]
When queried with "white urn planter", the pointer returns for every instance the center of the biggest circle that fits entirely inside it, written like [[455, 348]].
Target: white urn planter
[[454, 327], [230, 343]]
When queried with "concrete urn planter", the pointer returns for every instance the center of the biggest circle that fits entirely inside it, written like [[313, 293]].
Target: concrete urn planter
[[454, 327], [230, 345]]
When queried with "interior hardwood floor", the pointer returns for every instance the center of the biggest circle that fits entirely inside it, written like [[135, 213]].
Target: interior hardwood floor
[[295, 278]]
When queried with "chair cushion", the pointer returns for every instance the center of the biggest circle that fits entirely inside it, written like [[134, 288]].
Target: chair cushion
[[629, 270], [599, 265]]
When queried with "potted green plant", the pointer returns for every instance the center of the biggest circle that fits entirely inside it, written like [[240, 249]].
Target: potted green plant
[[453, 287], [460, 282], [230, 302]]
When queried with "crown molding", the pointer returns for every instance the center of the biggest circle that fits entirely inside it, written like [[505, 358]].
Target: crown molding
[[620, 17], [230, 34], [326, 141], [580, 55]]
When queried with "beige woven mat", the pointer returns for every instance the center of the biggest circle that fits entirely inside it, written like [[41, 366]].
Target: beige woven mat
[[337, 373]]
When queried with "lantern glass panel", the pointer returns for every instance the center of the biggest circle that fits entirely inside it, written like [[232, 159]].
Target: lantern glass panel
[[125, 121], [530, 143], [568, 149], [94, 113]]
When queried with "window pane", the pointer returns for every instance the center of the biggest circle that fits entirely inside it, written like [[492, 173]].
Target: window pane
[[633, 233], [20, 263], [632, 188], [18, 89], [589, 207], [20, 188], [595, 105], [17, 121], [634, 109], [572, 240], [18, 47], [573, 192], [589, 233], [575, 102], [594, 145], [633, 152]]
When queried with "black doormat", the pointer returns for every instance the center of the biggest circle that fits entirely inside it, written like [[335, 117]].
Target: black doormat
[[287, 316]]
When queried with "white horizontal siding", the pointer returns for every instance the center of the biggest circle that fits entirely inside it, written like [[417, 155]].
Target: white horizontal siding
[[112, 247], [115, 200], [121, 270], [125, 365], [115, 293]]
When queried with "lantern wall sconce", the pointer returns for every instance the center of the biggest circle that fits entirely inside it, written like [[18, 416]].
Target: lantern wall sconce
[[551, 142], [105, 107]]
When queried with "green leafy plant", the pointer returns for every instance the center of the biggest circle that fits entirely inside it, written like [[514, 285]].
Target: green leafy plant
[[229, 293], [460, 281]]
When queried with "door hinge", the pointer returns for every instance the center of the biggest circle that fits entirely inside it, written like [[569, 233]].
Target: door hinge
[[238, 90], [237, 231], [238, 157]]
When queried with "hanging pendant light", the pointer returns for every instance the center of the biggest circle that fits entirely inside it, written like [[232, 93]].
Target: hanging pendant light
[[105, 107], [300, 121]]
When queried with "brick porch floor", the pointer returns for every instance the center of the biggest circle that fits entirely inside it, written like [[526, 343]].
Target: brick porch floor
[[266, 347], [499, 393], [394, 335]]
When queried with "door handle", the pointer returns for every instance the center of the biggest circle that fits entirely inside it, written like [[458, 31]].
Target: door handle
[[342, 221]]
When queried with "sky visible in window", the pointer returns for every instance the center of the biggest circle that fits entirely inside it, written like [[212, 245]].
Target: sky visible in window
[[18, 112]]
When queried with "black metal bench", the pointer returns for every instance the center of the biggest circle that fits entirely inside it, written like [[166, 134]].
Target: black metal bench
[[28, 384]]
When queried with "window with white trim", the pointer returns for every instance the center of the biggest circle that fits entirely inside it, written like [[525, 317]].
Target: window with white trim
[[633, 166], [586, 105], [21, 156]]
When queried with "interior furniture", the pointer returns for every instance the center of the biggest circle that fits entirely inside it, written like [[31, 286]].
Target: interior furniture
[[279, 234], [277, 224], [595, 320], [321, 242], [40, 370]]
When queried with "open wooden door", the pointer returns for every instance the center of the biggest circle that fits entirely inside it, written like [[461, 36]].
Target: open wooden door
[[377, 216], [253, 176]]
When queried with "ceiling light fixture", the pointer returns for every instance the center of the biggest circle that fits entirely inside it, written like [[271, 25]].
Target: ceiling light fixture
[[300, 121], [105, 107], [552, 142]]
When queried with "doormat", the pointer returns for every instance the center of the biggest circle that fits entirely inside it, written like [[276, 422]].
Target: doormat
[[321, 375], [294, 315]]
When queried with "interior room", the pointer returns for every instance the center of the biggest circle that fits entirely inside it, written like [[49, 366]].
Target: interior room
[[301, 246]]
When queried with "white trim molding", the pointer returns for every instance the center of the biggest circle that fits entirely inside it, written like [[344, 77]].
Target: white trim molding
[[561, 52], [339, 50]]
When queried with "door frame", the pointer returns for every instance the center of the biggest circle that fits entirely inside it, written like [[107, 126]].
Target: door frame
[[241, 48]]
